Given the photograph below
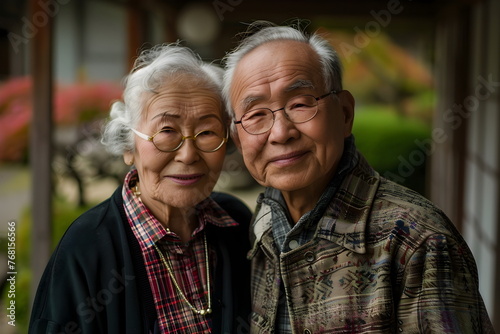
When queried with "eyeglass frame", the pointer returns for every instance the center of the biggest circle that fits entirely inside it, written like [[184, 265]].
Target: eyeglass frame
[[183, 139], [283, 108]]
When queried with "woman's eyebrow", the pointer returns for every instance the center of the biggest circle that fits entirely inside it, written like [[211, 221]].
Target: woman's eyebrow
[[202, 117], [248, 101], [165, 115]]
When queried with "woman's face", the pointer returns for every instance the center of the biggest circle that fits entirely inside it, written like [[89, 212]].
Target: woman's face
[[182, 178]]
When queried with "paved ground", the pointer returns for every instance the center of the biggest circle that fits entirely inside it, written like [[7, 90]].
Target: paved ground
[[14, 193]]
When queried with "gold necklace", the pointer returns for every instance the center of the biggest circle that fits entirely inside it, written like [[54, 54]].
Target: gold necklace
[[206, 311]]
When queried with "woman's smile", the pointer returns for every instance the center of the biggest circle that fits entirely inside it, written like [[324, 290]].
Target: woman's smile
[[185, 179]]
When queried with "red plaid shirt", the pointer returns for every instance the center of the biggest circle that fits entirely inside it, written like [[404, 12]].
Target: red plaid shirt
[[187, 260]]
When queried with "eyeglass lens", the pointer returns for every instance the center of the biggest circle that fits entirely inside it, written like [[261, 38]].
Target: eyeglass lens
[[207, 140], [299, 109]]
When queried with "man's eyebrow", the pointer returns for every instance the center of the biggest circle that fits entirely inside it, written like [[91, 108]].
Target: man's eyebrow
[[299, 84], [249, 100]]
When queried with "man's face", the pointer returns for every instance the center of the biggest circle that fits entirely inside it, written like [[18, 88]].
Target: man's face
[[290, 157]]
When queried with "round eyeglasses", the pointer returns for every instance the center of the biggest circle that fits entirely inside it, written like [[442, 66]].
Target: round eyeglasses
[[298, 109], [170, 140]]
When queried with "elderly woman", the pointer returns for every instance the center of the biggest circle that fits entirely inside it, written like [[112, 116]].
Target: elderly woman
[[163, 254]]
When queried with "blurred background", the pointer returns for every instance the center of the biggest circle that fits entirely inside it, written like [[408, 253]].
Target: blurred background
[[425, 76]]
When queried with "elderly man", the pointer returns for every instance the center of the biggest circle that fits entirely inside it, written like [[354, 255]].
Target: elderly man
[[336, 247]]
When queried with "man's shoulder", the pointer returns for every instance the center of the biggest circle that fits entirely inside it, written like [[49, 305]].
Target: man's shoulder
[[403, 197], [396, 204], [391, 203]]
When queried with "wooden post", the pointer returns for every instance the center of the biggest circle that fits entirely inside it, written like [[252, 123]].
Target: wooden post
[[41, 140], [137, 21]]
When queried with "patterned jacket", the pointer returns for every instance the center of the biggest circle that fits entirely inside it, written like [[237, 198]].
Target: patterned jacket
[[383, 259]]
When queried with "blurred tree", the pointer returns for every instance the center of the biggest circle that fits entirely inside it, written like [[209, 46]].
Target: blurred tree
[[382, 72], [79, 111]]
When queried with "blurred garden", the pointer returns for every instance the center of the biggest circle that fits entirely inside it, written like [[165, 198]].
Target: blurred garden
[[395, 101], [394, 107]]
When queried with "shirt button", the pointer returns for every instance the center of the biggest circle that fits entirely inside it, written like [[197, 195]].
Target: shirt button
[[307, 331], [293, 244], [309, 256]]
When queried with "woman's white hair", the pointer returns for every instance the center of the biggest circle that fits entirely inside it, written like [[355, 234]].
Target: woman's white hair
[[154, 68], [261, 32]]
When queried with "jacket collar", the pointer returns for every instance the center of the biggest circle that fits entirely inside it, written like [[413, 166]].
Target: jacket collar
[[344, 222]]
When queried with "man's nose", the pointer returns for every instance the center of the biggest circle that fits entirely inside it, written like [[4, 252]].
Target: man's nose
[[283, 129]]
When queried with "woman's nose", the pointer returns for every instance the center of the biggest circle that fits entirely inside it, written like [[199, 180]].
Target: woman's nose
[[187, 153]]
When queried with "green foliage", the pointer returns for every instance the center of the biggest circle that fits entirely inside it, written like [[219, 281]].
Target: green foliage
[[64, 214], [387, 140]]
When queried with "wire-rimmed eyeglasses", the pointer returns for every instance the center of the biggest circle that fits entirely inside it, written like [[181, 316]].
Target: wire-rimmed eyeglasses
[[170, 140], [299, 109]]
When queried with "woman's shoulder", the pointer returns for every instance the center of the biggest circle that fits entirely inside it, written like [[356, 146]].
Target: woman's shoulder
[[235, 207], [89, 228]]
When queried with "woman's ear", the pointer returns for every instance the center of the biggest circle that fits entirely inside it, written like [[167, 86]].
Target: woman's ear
[[128, 158]]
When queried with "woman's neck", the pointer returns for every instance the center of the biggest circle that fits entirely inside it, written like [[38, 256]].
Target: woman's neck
[[181, 221], [181, 224]]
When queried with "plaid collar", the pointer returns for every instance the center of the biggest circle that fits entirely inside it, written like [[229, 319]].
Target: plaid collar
[[149, 230]]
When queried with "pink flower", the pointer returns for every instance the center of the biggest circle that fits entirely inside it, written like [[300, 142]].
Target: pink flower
[[73, 104]]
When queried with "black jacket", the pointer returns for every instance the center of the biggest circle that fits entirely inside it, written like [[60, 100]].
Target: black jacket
[[96, 281]]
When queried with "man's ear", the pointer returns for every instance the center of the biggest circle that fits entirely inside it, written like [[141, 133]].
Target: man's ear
[[347, 104]]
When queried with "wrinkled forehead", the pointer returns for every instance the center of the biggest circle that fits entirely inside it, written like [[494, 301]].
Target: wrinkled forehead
[[187, 98], [277, 65], [279, 53]]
